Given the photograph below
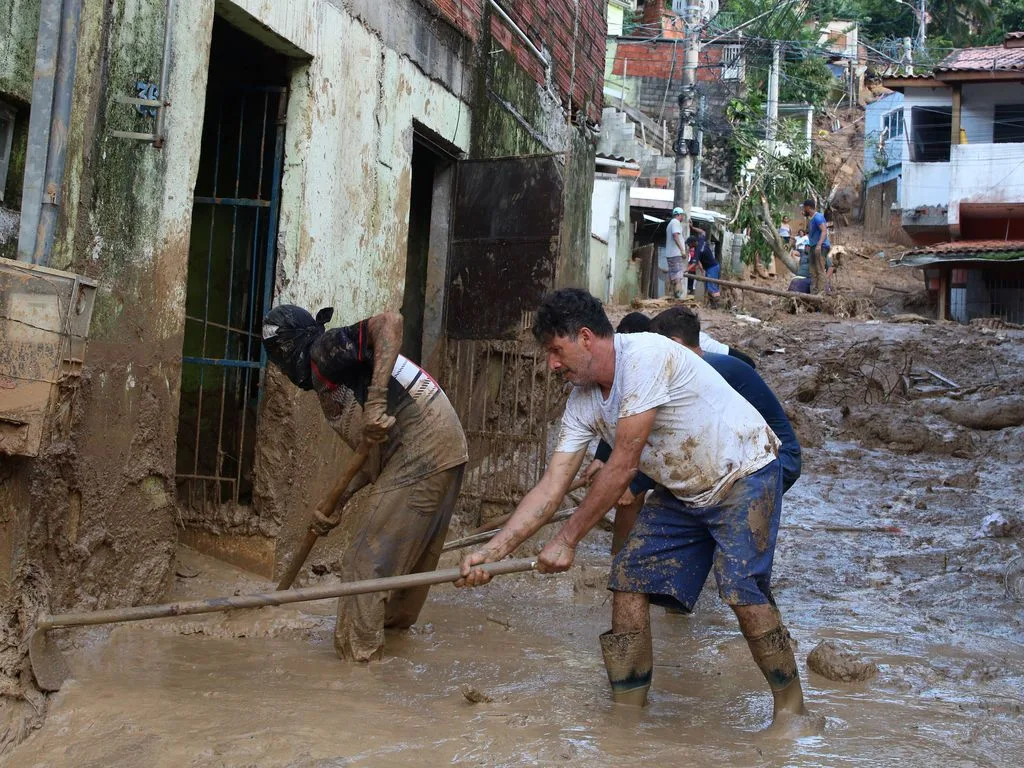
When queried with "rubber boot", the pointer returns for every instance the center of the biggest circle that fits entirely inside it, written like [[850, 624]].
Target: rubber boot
[[629, 659], [773, 652]]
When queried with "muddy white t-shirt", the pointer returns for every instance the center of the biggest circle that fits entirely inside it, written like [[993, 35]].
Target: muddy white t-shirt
[[714, 346], [705, 435]]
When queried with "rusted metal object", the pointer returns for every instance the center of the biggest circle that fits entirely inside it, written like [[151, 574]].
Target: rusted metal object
[[504, 243], [44, 327], [51, 670], [507, 401], [327, 514]]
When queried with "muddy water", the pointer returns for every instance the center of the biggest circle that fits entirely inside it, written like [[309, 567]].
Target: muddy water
[[263, 688], [879, 550]]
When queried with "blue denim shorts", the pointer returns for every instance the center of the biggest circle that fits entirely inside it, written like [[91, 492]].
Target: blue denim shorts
[[673, 546]]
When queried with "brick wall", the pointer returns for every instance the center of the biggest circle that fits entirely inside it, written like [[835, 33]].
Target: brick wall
[[464, 15], [571, 31], [655, 60]]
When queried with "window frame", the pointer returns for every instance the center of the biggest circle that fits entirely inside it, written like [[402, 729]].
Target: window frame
[[936, 145], [997, 123]]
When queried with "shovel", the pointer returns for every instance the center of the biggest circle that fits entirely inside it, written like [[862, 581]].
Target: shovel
[[326, 510], [51, 670]]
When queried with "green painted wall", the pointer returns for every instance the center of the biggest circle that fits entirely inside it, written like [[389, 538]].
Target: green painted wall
[[19, 21]]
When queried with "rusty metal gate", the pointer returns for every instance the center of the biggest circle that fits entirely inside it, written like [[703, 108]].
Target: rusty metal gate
[[230, 281], [505, 236], [509, 405]]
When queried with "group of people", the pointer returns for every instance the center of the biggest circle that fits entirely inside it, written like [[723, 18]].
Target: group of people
[[695, 251], [696, 455]]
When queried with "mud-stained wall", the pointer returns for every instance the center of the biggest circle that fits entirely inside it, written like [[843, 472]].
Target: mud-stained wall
[[90, 523], [375, 69]]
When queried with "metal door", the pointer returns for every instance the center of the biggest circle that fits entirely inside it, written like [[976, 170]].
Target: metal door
[[230, 284], [506, 224]]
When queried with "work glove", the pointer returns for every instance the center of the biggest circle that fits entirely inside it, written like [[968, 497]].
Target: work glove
[[376, 421]]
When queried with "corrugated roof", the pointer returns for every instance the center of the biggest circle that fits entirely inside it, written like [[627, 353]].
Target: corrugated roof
[[987, 58], [963, 250], [1014, 36]]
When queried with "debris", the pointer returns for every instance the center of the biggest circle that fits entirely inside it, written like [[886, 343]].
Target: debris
[[473, 696], [994, 526], [1015, 579], [185, 572], [911, 318], [500, 622], [942, 378], [839, 662]]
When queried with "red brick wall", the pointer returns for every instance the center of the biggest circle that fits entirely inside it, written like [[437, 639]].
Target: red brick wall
[[552, 26], [464, 15], [655, 60], [555, 27]]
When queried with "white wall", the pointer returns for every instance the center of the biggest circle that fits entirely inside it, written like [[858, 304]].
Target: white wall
[[924, 184], [347, 177], [977, 109], [985, 173]]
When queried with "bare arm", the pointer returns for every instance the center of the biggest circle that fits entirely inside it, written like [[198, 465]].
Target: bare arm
[[385, 339], [535, 509], [679, 243], [631, 435], [385, 332]]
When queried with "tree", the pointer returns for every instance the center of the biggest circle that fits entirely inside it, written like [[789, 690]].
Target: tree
[[770, 180]]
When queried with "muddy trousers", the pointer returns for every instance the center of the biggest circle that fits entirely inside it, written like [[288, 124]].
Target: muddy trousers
[[403, 532]]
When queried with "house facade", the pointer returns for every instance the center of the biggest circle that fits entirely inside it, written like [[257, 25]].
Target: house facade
[[962, 193], [883, 165], [205, 160]]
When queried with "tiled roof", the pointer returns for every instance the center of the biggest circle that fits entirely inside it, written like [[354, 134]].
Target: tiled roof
[[970, 246], [963, 250], [1014, 36], [988, 58]]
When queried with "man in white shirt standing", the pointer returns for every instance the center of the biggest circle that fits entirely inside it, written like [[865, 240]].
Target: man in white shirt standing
[[717, 504], [676, 252]]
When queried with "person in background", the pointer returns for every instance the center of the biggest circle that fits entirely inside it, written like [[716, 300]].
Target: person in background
[[675, 253], [784, 230], [818, 245], [704, 255]]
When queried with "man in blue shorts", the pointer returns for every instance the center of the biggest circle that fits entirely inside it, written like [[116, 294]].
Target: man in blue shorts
[[717, 506]]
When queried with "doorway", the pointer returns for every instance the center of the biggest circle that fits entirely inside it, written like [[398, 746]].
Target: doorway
[[426, 253], [230, 271]]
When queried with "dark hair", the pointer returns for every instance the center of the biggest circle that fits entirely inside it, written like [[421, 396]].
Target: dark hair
[[634, 322], [565, 312], [810, 203], [680, 322], [692, 240]]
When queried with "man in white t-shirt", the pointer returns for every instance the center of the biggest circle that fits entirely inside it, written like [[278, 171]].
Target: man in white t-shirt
[[670, 415], [676, 252]]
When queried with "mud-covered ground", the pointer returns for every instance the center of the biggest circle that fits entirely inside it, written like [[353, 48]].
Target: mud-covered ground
[[883, 548]]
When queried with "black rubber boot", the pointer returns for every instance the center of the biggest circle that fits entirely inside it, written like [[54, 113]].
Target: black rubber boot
[[629, 659]]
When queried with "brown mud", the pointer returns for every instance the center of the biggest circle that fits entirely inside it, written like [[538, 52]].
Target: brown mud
[[883, 549]]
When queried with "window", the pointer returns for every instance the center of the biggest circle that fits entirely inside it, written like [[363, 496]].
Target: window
[[732, 62], [893, 123], [6, 139], [1008, 127], [930, 130]]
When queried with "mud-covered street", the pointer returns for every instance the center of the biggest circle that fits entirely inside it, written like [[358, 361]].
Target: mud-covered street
[[885, 548]]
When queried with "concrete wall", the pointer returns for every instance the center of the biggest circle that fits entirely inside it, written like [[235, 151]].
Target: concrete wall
[[92, 522], [874, 115], [924, 184], [977, 107], [985, 173]]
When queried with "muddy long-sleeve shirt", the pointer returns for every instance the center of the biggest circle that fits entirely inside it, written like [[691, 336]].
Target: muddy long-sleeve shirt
[[427, 437]]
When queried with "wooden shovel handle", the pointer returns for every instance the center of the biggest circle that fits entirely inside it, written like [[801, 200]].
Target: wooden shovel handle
[[326, 508]]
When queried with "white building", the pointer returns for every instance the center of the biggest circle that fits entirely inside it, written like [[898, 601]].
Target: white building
[[963, 145]]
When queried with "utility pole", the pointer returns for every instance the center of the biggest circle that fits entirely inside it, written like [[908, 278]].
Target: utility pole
[[699, 143], [922, 24], [773, 94], [685, 144]]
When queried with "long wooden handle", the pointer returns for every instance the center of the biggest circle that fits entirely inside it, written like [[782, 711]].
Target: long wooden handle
[[326, 507], [214, 604], [497, 522]]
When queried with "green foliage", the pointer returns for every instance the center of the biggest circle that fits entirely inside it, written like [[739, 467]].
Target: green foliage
[[770, 183]]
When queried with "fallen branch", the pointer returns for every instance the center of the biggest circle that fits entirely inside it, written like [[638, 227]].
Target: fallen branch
[[808, 297]]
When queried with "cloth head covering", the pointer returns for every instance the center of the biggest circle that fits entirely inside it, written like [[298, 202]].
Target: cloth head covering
[[288, 335]]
